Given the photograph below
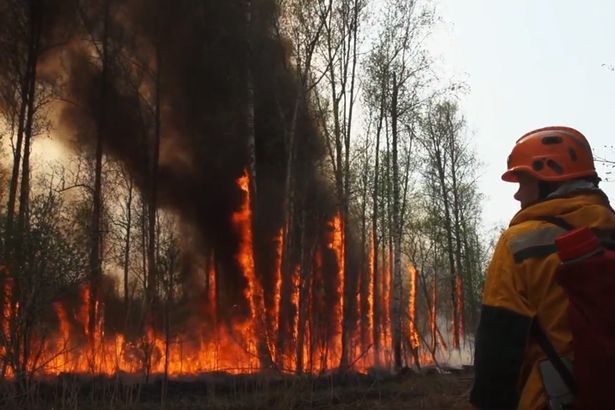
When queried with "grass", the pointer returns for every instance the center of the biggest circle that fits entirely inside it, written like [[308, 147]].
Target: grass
[[409, 390]]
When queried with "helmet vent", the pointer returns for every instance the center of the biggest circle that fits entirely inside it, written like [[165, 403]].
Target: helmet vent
[[537, 165], [552, 140], [555, 166], [573, 154]]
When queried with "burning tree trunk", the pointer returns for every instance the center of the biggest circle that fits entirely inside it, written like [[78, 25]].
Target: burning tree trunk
[[249, 114], [412, 327], [350, 275], [152, 201], [254, 291], [396, 231], [305, 29], [27, 283], [377, 302], [96, 232], [366, 261], [341, 28]]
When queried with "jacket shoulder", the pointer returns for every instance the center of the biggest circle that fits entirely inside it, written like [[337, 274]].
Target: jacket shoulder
[[532, 239]]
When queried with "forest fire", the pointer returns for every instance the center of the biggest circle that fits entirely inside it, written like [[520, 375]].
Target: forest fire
[[414, 337], [215, 345], [242, 220], [337, 245]]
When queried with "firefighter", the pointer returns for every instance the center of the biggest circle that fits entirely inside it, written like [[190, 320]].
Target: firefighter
[[555, 171]]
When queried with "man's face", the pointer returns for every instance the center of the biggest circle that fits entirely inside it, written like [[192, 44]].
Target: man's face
[[527, 193]]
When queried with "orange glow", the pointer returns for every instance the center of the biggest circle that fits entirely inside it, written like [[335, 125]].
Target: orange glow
[[277, 288], [432, 317], [414, 337], [7, 317], [7, 311], [295, 296], [63, 318], [370, 294], [295, 302], [459, 289], [386, 306], [84, 313], [242, 220], [337, 245], [219, 338], [212, 290]]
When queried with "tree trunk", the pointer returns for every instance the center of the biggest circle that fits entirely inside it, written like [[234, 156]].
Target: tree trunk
[[96, 239], [365, 268], [458, 238], [126, 264], [287, 229], [396, 233], [307, 255], [24, 125], [152, 200], [377, 302], [249, 114], [350, 275], [24, 196]]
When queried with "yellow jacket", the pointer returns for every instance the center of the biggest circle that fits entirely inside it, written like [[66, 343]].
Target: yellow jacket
[[520, 286]]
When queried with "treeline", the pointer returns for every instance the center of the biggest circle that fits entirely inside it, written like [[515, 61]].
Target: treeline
[[403, 167], [334, 112]]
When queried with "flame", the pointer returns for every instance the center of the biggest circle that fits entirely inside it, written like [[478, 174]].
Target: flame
[[414, 337], [277, 290], [7, 317], [337, 245], [385, 341], [295, 303], [243, 223], [232, 345], [84, 312]]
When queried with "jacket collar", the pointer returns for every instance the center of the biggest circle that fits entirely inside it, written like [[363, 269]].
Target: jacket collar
[[567, 202]]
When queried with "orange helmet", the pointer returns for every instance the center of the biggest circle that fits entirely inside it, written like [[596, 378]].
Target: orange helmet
[[551, 154]]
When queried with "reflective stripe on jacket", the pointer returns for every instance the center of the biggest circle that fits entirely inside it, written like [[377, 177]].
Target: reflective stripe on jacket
[[520, 285]]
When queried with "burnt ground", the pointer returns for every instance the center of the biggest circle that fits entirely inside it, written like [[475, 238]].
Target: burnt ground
[[428, 389]]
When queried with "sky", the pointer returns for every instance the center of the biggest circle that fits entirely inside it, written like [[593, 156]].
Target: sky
[[528, 64]]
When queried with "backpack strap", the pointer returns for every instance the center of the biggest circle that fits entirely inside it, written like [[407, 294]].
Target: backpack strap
[[606, 237], [546, 345], [539, 334]]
